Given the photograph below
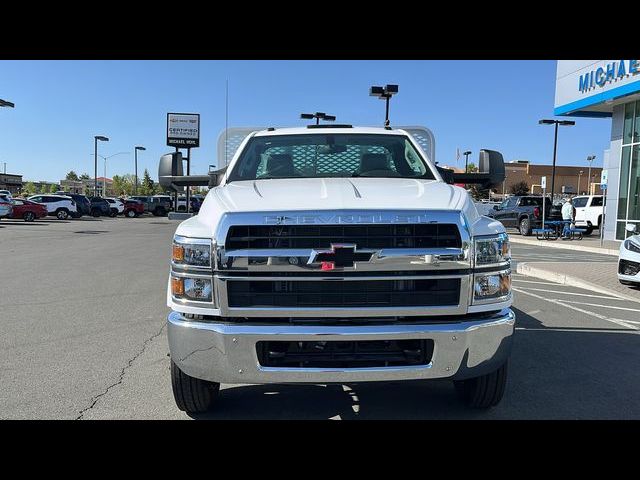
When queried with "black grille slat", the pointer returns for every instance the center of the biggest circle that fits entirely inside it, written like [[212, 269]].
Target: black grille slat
[[438, 235], [345, 354], [356, 293], [628, 267]]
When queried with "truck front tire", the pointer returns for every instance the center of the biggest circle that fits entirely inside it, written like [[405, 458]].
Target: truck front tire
[[525, 227], [485, 391], [192, 395]]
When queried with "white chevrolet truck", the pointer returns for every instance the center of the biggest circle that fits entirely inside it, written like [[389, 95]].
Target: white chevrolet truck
[[335, 254]]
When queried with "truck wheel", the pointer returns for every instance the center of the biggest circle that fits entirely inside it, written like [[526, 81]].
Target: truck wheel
[[62, 214], [525, 227], [588, 230], [599, 221], [130, 213], [160, 212], [485, 391], [192, 395]]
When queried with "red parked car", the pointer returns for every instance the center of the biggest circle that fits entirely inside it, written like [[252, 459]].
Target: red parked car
[[133, 208], [27, 209]]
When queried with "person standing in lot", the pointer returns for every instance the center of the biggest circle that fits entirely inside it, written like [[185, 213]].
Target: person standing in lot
[[568, 214]]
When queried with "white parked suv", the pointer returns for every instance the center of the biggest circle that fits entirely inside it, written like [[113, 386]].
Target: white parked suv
[[629, 260], [59, 205], [588, 212], [117, 207]]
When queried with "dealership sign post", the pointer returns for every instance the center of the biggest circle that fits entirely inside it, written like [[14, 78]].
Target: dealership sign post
[[183, 131]]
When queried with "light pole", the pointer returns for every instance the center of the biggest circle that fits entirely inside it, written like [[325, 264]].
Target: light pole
[[567, 123], [95, 161], [385, 93], [104, 181], [135, 187], [579, 177], [466, 160], [590, 159]]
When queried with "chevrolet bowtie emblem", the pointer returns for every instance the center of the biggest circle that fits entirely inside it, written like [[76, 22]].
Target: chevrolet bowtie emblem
[[339, 256]]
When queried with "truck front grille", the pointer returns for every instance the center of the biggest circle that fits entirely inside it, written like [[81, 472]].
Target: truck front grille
[[358, 354], [440, 235], [356, 293]]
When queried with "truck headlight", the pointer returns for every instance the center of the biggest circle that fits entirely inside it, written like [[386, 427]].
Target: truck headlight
[[631, 246], [488, 287], [191, 252], [190, 288], [492, 250]]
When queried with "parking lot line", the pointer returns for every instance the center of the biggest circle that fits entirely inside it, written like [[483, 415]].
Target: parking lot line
[[622, 323], [575, 293], [532, 281], [603, 306]]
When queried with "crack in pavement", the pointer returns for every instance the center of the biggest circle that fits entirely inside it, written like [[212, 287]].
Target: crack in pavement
[[94, 400]]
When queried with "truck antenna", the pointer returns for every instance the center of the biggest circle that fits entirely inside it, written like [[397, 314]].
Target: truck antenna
[[226, 122]]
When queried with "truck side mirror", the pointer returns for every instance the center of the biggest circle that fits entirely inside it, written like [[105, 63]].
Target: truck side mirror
[[170, 166], [491, 172], [492, 163]]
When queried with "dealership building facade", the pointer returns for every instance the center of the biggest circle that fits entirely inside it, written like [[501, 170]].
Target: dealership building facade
[[609, 88]]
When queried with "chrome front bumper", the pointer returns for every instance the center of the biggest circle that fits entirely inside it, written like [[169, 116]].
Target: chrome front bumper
[[226, 353]]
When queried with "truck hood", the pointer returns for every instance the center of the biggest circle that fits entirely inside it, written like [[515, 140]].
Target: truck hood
[[337, 194]]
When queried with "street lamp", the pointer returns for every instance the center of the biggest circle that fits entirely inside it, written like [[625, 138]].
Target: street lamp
[[579, 177], [135, 187], [95, 161], [104, 181], [385, 93], [567, 123], [5, 103], [466, 159], [590, 159], [318, 116]]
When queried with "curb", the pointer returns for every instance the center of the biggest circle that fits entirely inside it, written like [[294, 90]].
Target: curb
[[563, 279], [566, 246]]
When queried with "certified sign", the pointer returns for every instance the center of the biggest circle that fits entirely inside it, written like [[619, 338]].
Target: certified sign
[[183, 130]]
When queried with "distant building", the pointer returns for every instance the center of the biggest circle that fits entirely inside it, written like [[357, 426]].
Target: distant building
[[72, 186], [569, 179], [11, 182], [101, 186]]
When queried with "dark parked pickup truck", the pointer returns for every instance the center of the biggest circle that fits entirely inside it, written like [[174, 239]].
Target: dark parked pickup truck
[[523, 212]]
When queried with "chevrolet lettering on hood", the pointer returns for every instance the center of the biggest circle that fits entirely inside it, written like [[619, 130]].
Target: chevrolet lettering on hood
[[345, 219]]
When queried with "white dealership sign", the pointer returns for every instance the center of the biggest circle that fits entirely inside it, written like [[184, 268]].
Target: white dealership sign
[[183, 130]]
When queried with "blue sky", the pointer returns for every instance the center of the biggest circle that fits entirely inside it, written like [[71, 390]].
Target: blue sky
[[61, 105]]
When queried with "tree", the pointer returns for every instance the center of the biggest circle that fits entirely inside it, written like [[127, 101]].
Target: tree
[[84, 176], [471, 167], [72, 176], [53, 188], [28, 189], [147, 187], [520, 188]]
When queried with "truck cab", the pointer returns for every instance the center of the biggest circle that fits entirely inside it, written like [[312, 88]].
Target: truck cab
[[338, 254]]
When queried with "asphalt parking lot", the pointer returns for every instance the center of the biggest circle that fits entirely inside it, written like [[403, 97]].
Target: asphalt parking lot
[[83, 322]]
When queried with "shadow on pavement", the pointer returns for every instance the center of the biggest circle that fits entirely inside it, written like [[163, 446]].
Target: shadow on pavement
[[554, 373]]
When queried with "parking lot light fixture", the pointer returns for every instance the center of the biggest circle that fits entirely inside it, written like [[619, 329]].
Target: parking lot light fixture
[[565, 123], [384, 93], [102, 138], [318, 116], [135, 186], [590, 159], [5, 103]]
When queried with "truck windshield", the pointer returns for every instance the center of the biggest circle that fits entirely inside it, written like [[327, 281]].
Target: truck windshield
[[329, 155]]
